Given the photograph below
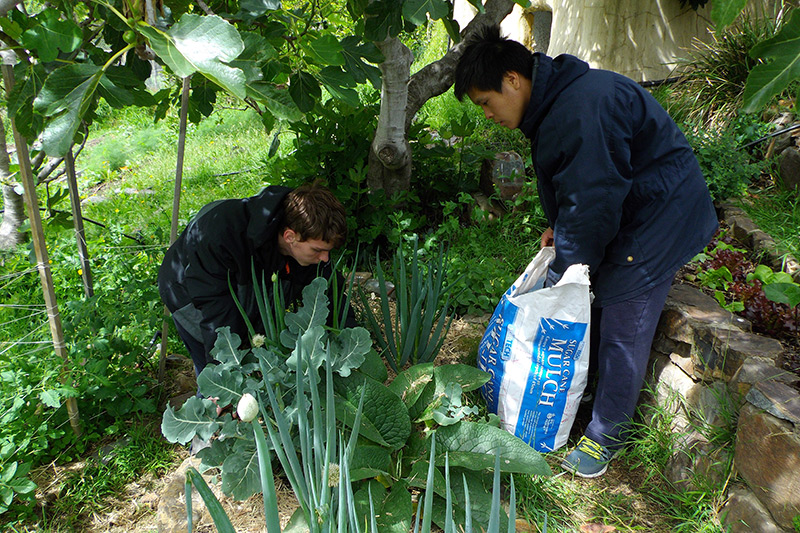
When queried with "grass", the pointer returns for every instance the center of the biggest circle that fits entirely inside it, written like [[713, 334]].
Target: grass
[[777, 212]]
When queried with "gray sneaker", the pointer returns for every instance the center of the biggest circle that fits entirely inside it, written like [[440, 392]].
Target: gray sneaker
[[589, 459]]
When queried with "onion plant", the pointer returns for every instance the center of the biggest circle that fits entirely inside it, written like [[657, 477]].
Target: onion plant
[[320, 473], [423, 312]]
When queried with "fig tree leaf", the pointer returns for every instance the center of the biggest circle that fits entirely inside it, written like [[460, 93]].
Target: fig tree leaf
[[473, 445], [29, 81], [416, 11], [66, 97], [51, 35], [384, 417], [340, 84], [278, 101], [305, 91], [257, 51], [256, 8], [324, 50], [197, 416], [781, 65], [200, 44], [385, 20], [354, 55]]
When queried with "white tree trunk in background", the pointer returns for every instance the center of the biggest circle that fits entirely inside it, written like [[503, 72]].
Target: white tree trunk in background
[[402, 96], [13, 203]]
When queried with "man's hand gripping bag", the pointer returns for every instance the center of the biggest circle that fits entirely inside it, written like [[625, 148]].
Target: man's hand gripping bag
[[536, 349]]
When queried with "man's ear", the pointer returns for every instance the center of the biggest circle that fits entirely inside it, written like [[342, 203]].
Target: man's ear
[[514, 79], [290, 235]]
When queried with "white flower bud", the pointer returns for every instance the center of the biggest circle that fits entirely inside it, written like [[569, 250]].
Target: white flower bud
[[333, 475], [247, 408], [258, 340]]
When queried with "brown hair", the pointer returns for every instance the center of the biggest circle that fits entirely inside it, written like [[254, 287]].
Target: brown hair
[[313, 212]]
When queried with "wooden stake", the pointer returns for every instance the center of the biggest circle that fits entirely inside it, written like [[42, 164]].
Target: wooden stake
[[40, 247], [176, 204], [80, 234]]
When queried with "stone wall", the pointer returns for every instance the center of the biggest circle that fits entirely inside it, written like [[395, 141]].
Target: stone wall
[[706, 366]]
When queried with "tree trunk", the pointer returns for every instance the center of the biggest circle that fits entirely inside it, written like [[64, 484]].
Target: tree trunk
[[402, 95], [13, 203]]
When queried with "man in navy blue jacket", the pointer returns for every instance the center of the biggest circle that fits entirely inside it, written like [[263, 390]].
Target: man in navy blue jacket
[[623, 194]]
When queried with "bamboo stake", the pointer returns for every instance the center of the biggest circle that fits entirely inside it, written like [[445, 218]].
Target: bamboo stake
[[176, 204], [80, 234], [40, 247]]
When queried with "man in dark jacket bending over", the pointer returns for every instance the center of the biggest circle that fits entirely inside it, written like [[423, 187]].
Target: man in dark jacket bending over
[[623, 194], [279, 231]]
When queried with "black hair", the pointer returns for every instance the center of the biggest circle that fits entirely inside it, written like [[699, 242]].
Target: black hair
[[487, 58]]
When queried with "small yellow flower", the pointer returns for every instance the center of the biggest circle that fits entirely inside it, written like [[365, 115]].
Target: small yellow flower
[[80, 272]]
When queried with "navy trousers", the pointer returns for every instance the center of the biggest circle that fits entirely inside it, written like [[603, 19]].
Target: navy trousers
[[621, 339]]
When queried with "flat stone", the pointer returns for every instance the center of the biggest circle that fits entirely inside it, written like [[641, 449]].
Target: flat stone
[[767, 456], [696, 463], [671, 386], [790, 167], [743, 513], [757, 369], [778, 399], [171, 515], [719, 352], [742, 228]]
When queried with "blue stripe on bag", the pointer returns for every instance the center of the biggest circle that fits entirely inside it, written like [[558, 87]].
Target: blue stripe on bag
[[494, 349]]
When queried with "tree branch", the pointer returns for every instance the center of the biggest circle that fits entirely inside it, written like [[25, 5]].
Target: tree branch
[[435, 78]]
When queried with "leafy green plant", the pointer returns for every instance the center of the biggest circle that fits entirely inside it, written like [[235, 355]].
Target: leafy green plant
[[422, 308], [323, 487], [778, 286], [727, 169], [14, 482], [389, 448]]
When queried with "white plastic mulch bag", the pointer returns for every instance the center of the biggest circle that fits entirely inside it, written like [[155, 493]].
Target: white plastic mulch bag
[[536, 349]]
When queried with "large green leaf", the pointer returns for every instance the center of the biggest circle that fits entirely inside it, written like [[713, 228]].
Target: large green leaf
[[251, 9], [385, 19], [410, 383], [369, 461], [226, 347], [781, 66], [305, 90], [29, 81], [200, 44], [309, 348], [51, 35], [257, 51], [340, 84], [240, 476], [278, 101], [469, 377], [384, 417], [392, 508], [416, 11], [221, 381], [324, 49], [724, 12], [313, 312], [355, 55], [473, 445], [66, 96], [197, 416], [350, 349]]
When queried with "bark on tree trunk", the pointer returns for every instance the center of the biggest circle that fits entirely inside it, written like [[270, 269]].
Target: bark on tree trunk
[[13, 203], [402, 95]]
